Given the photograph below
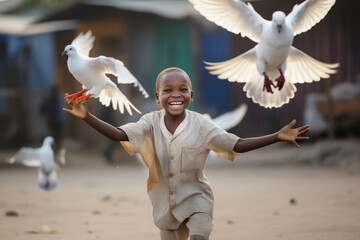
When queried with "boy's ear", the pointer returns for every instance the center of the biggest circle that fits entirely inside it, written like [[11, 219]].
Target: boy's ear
[[192, 95], [157, 97]]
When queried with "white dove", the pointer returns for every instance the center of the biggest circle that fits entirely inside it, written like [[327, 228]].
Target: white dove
[[91, 73], [273, 57], [43, 158], [227, 121]]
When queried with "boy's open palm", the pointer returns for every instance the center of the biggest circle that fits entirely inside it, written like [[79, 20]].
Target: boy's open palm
[[77, 109], [288, 134]]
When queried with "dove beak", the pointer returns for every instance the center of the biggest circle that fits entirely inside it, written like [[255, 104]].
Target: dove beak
[[64, 52], [279, 27]]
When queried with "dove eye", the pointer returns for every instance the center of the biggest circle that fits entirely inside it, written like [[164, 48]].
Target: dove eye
[[70, 49]]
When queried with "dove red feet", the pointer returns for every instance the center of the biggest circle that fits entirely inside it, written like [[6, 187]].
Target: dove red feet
[[75, 96], [280, 81], [83, 98], [47, 185], [267, 84]]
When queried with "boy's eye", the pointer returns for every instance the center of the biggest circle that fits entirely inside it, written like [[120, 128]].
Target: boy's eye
[[184, 89], [167, 90]]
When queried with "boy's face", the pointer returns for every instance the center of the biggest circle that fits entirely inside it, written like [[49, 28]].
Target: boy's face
[[174, 92]]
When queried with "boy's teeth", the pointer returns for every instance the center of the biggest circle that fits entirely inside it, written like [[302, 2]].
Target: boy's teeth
[[175, 103]]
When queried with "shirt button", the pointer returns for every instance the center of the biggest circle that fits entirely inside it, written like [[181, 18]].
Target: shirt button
[[172, 158], [171, 175], [172, 192]]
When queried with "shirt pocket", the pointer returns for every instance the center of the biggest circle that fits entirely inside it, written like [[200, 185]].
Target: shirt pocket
[[192, 159]]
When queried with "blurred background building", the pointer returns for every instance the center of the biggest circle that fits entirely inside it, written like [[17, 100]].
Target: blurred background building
[[148, 36]]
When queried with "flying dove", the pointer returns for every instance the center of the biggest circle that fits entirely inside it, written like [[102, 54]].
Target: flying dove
[[274, 57], [91, 73]]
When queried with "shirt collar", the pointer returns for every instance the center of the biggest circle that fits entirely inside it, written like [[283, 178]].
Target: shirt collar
[[179, 129]]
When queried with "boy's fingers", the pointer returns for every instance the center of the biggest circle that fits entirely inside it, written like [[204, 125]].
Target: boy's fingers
[[304, 127], [303, 131], [302, 138], [66, 110], [295, 144], [293, 122]]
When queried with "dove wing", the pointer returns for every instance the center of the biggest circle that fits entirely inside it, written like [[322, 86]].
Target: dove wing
[[83, 43], [233, 15], [116, 67], [27, 156], [229, 120], [308, 13], [238, 69], [301, 68], [111, 94]]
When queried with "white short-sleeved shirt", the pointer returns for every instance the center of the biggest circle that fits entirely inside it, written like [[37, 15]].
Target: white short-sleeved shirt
[[176, 185]]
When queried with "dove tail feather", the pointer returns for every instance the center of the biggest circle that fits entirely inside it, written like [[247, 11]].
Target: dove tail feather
[[277, 99]]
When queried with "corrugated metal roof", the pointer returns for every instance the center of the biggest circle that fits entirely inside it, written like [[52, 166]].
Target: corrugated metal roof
[[165, 8], [21, 25]]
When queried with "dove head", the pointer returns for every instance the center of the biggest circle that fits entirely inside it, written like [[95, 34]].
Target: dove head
[[278, 19], [49, 140], [69, 50]]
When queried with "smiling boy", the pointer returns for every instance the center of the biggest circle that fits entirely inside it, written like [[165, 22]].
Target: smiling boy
[[174, 144]]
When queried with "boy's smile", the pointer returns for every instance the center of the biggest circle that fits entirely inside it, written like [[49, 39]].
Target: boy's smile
[[174, 93], [176, 105]]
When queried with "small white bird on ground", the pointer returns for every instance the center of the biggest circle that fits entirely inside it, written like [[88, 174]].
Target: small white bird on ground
[[91, 73], [273, 57], [43, 158]]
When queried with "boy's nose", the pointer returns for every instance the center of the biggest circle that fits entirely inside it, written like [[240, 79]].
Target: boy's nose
[[176, 94]]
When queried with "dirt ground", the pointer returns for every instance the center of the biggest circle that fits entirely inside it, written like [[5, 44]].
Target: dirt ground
[[259, 196]]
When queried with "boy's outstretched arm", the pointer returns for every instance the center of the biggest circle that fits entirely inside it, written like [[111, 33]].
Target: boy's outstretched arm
[[79, 110], [286, 134]]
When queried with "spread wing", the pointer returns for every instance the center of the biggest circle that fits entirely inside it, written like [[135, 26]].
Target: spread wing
[[238, 69], [116, 67], [229, 120], [27, 156], [112, 95], [308, 13], [301, 68], [233, 15], [84, 43]]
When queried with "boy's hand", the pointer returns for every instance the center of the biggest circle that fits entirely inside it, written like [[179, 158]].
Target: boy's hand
[[77, 109], [291, 135]]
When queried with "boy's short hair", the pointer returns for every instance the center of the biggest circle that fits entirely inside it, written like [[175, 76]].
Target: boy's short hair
[[171, 69]]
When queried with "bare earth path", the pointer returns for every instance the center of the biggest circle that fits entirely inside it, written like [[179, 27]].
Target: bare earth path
[[252, 202]]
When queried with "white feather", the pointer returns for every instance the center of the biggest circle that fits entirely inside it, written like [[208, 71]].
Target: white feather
[[84, 43], [301, 68], [231, 119], [233, 15], [304, 16]]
